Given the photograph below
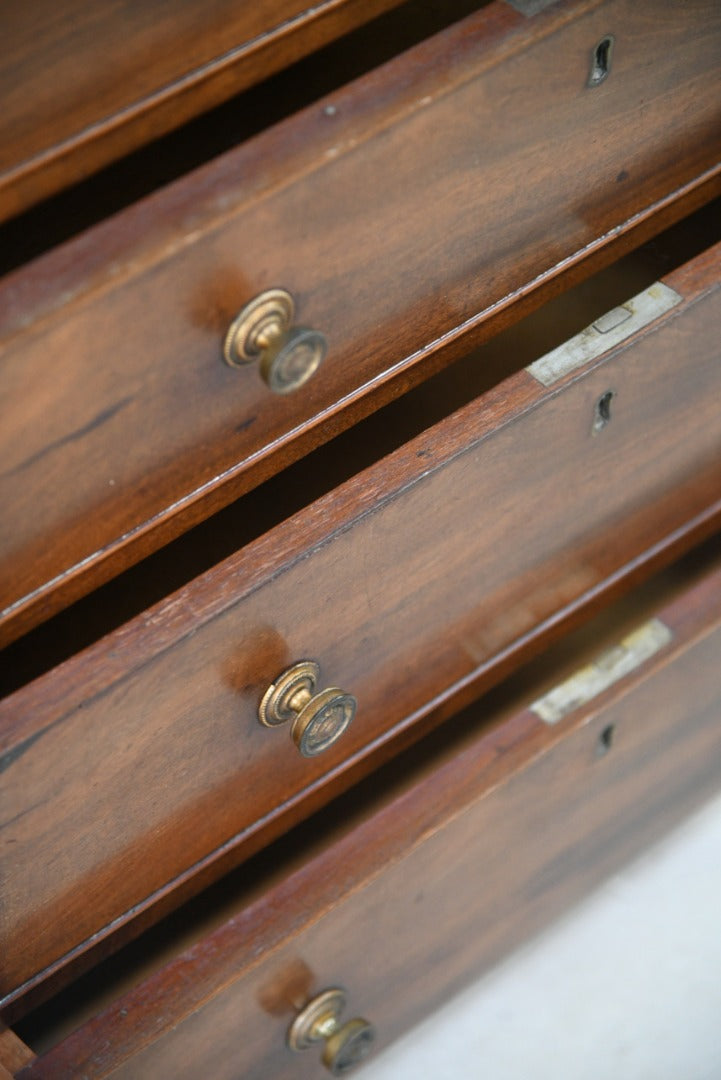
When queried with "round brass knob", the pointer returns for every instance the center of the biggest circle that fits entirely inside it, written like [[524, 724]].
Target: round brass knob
[[317, 719], [319, 1021], [287, 355]]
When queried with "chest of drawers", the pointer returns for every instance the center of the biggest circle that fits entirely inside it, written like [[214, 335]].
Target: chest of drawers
[[247, 603]]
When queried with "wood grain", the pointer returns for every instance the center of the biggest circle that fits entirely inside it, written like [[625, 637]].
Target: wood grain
[[83, 84], [495, 832], [408, 584], [14, 1054], [436, 191]]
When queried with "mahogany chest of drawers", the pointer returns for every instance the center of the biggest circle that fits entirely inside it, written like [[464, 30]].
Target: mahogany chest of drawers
[[361, 476]]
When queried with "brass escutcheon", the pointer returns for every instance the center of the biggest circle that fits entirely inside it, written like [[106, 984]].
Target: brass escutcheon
[[319, 1021], [287, 355], [317, 719]]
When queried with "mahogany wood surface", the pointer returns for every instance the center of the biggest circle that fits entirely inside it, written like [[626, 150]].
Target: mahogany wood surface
[[489, 837], [140, 762], [83, 83], [405, 210], [13, 1052]]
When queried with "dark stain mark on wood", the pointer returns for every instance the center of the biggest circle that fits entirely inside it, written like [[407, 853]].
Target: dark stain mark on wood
[[17, 752], [73, 436]]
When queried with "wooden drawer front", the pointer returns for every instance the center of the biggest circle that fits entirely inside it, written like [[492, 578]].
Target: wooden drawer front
[[404, 209], [493, 837], [143, 756], [98, 80]]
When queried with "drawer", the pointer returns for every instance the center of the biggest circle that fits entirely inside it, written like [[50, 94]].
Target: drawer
[[99, 80], [476, 839], [139, 767], [410, 208]]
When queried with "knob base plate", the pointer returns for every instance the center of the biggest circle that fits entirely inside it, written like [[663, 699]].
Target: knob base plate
[[275, 708], [268, 315], [319, 1014]]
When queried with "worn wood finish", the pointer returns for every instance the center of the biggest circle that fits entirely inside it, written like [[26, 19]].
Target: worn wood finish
[[99, 80], [496, 832], [407, 584], [399, 220]]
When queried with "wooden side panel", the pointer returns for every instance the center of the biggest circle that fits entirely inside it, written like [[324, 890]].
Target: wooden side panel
[[404, 210], [142, 759], [14, 1054], [442, 880], [82, 83]]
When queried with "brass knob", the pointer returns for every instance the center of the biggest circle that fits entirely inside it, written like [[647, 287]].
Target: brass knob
[[317, 719], [319, 1021], [287, 355]]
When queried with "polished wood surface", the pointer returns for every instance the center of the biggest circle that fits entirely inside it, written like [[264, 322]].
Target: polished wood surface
[[410, 584], [490, 835], [97, 80], [123, 425]]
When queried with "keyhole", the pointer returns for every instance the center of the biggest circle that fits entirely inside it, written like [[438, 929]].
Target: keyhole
[[601, 60], [602, 413], [605, 740]]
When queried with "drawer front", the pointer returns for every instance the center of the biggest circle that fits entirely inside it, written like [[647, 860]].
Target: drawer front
[[424, 575], [98, 81], [490, 840], [398, 213]]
